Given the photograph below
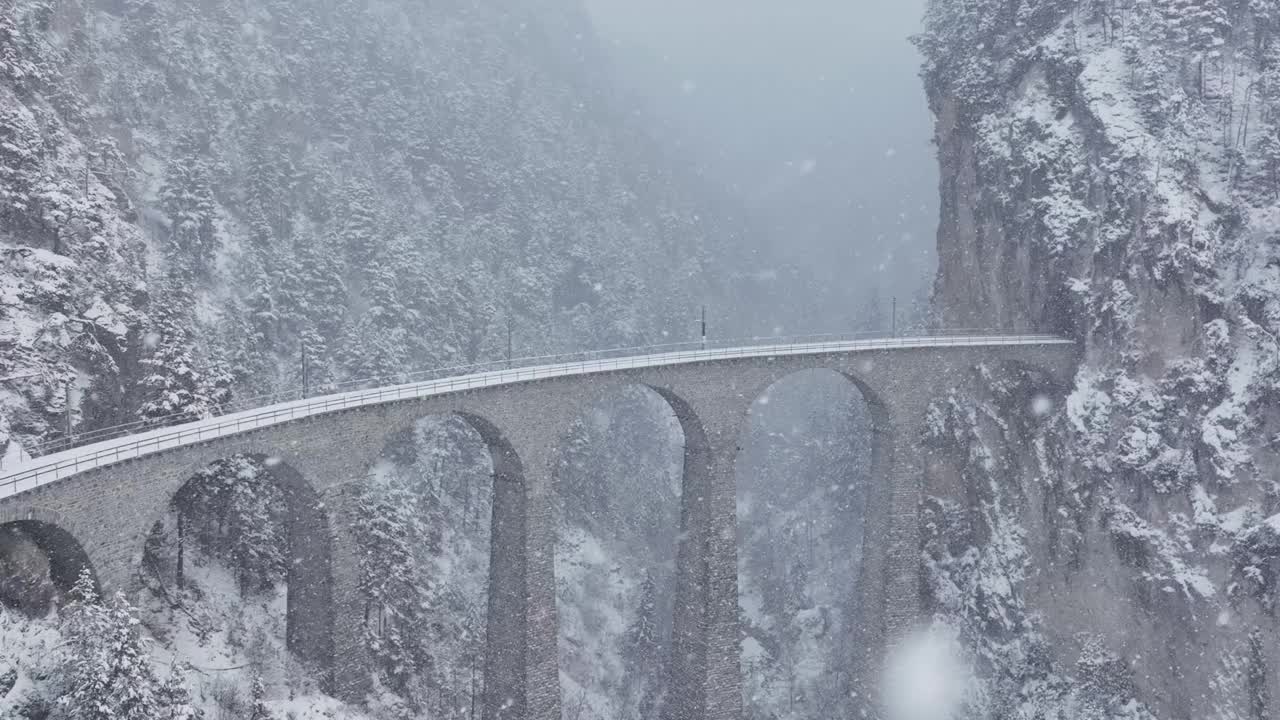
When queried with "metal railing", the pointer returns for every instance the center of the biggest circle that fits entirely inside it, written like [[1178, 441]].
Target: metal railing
[[106, 446]]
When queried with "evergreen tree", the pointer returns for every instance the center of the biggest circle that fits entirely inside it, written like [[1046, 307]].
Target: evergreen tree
[[1268, 149], [177, 699], [236, 514], [174, 382], [187, 200], [271, 184], [375, 344], [322, 290], [1206, 25], [107, 670], [643, 652], [391, 583], [360, 227], [1199, 26], [259, 695], [642, 635]]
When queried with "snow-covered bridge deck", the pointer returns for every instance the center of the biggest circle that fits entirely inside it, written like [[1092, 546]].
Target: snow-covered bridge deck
[[30, 473]]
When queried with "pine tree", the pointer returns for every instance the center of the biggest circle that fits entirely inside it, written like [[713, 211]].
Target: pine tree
[[255, 534], [271, 184], [107, 670], [1207, 25], [144, 25], [1201, 27], [176, 699], [1268, 149], [391, 583], [360, 227], [643, 650], [253, 328], [1266, 14], [259, 695], [187, 200], [236, 514], [375, 345], [322, 291], [174, 384]]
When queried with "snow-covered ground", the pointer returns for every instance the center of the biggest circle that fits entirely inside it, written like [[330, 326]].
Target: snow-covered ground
[[223, 640]]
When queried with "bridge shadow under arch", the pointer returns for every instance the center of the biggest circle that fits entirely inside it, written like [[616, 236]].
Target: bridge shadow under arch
[[307, 537], [40, 563]]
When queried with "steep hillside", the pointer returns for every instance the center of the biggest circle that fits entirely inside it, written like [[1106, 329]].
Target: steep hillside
[[198, 194], [1111, 171]]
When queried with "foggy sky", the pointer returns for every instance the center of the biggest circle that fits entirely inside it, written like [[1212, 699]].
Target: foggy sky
[[809, 110]]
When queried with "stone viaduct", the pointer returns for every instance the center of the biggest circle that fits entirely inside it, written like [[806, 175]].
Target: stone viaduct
[[95, 509]]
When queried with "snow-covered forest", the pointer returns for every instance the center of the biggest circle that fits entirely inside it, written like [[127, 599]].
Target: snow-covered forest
[[200, 195], [204, 202]]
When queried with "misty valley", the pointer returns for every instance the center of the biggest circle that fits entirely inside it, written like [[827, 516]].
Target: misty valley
[[601, 360]]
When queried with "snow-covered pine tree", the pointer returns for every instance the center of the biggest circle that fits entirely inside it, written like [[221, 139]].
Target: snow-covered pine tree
[[391, 583], [321, 294], [236, 514], [175, 381], [257, 544], [106, 669], [375, 344], [643, 652], [360, 225], [176, 700], [258, 695], [252, 330], [187, 201], [1205, 26], [271, 184], [642, 639]]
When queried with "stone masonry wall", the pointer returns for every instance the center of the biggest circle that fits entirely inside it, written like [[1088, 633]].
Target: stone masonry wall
[[110, 510]]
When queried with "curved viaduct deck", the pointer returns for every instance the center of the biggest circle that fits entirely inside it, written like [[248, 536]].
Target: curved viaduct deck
[[108, 495]]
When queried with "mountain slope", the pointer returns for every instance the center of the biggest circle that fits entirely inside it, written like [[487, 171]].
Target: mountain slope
[[198, 194]]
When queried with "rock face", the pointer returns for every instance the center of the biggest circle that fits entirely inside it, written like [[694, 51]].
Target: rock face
[[1110, 171]]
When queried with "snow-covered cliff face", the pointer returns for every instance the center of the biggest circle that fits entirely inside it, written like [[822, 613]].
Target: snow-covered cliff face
[[1111, 171], [196, 193]]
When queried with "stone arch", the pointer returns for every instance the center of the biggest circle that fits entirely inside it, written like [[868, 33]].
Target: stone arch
[[507, 629], [62, 559], [833, 507], [691, 641], [618, 520], [309, 610], [884, 486]]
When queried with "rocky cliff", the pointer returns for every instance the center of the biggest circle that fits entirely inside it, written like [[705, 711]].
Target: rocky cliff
[[1111, 171]]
